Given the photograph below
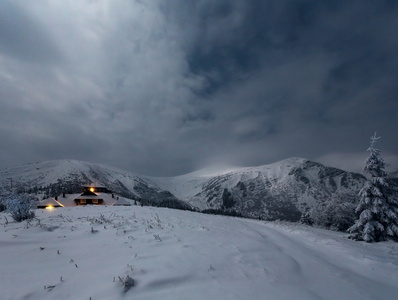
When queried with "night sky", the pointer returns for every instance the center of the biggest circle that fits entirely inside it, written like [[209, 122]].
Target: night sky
[[166, 87]]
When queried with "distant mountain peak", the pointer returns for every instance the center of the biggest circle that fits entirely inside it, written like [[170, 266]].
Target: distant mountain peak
[[214, 170]]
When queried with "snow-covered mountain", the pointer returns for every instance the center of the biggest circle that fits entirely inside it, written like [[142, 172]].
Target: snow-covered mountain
[[283, 190], [56, 176]]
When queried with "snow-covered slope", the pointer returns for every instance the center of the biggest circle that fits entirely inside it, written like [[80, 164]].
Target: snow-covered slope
[[57, 176], [80, 253], [282, 190], [187, 186]]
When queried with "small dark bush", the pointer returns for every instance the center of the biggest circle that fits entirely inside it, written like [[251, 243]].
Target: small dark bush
[[2, 205]]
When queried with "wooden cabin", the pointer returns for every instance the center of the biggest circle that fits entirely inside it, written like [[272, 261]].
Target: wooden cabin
[[89, 197]]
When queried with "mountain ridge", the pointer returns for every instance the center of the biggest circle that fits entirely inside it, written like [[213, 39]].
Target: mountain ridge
[[282, 190], [54, 177]]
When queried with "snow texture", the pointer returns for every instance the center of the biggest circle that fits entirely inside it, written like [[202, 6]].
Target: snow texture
[[103, 252]]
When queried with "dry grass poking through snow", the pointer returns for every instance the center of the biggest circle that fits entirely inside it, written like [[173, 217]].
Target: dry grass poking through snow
[[153, 253]]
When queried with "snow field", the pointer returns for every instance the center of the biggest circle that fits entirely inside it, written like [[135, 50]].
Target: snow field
[[80, 252]]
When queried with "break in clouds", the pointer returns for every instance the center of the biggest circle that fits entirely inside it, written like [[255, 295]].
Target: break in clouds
[[166, 87]]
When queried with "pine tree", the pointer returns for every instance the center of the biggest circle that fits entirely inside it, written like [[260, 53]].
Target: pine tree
[[378, 204]]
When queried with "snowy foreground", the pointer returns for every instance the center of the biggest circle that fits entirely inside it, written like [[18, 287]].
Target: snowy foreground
[[80, 253]]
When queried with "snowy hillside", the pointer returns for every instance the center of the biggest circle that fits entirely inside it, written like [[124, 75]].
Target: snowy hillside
[[57, 176], [282, 190], [80, 253], [187, 186]]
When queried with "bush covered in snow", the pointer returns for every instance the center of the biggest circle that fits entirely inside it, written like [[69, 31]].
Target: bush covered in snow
[[306, 219], [20, 207], [335, 214]]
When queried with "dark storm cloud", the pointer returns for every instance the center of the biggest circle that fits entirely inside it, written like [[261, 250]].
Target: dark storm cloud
[[24, 38], [309, 71], [164, 87]]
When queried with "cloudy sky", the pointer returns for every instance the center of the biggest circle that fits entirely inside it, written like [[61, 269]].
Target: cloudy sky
[[164, 87]]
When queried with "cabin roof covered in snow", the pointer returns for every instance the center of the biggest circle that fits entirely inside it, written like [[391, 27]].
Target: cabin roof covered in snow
[[49, 202]]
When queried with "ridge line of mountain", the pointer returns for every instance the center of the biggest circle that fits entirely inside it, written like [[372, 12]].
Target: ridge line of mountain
[[282, 190]]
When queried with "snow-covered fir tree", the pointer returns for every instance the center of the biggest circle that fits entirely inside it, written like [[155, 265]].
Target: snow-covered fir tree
[[378, 204]]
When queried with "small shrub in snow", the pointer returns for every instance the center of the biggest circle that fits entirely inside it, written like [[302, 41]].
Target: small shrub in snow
[[100, 220], [49, 287], [157, 219], [127, 282], [335, 214], [2, 206], [20, 207], [306, 219]]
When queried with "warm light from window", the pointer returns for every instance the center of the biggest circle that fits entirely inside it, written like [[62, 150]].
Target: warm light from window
[[92, 189], [50, 207]]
